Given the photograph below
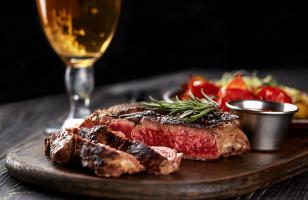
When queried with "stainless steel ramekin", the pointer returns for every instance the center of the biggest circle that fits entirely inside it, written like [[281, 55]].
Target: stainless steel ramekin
[[265, 123]]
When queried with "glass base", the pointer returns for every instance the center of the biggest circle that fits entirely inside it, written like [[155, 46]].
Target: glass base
[[57, 126], [79, 84], [51, 130], [53, 126], [72, 122]]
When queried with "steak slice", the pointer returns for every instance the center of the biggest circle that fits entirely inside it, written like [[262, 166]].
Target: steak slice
[[107, 161], [217, 135], [156, 160], [67, 147], [111, 118], [60, 147]]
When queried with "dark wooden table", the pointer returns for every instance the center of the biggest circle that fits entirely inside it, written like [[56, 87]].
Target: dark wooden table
[[25, 121]]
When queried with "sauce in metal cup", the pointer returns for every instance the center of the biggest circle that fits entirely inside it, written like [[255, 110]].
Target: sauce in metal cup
[[265, 123]]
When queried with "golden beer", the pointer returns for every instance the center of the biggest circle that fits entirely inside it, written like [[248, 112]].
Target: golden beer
[[79, 30]]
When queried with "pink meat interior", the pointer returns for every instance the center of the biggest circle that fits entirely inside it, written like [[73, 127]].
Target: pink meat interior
[[192, 142]]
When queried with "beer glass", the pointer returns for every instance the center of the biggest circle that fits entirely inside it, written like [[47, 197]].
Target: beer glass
[[79, 31]]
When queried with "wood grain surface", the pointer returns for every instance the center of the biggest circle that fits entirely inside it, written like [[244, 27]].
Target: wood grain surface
[[22, 122]]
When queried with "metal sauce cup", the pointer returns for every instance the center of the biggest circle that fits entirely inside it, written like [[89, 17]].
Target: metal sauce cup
[[265, 123]]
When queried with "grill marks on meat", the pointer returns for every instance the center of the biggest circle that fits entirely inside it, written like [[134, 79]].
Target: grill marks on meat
[[60, 147], [156, 160], [109, 117], [67, 147], [107, 161], [109, 153], [217, 135]]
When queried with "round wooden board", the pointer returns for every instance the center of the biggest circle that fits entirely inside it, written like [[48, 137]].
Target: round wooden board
[[195, 179]]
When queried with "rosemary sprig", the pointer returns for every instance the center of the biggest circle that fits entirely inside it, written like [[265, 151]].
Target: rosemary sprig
[[190, 110]]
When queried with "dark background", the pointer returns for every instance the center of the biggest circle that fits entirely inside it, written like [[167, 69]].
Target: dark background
[[155, 37]]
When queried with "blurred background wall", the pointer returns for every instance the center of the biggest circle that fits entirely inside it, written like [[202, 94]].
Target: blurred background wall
[[156, 37]]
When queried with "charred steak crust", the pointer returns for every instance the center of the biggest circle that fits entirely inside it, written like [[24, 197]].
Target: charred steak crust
[[107, 161], [154, 162], [135, 112], [217, 135], [211, 120], [60, 147], [111, 112], [66, 147]]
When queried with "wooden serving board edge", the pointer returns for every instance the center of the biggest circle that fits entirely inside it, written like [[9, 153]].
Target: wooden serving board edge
[[196, 190]]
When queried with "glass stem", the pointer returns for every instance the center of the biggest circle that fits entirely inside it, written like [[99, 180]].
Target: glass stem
[[79, 84]]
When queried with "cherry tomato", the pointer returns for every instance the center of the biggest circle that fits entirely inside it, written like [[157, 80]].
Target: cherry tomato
[[232, 94], [196, 78], [187, 86], [270, 93], [208, 88], [237, 82], [196, 84]]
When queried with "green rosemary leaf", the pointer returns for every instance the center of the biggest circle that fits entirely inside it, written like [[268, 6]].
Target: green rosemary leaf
[[190, 110]]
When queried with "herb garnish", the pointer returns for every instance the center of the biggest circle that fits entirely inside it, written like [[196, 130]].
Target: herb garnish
[[190, 110]]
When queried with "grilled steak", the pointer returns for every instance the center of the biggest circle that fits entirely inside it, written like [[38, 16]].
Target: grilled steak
[[68, 147], [82, 145], [156, 160], [107, 161], [60, 147], [218, 135], [110, 117]]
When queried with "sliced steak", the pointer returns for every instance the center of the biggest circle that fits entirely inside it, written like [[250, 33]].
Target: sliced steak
[[217, 135], [60, 147], [110, 117], [67, 147], [156, 160], [107, 161]]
